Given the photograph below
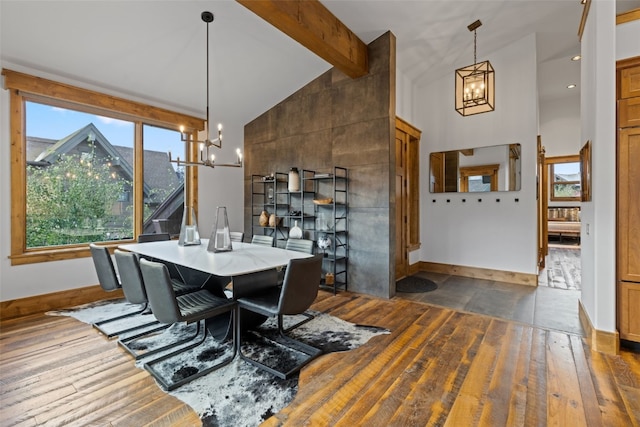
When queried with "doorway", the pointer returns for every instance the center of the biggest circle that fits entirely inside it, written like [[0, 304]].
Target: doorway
[[562, 264]]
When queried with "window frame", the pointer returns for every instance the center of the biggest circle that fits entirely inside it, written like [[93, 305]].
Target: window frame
[[23, 87], [480, 170], [550, 162]]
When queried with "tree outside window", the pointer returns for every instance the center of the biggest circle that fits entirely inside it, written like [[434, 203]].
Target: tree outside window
[[72, 201], [89, 169], [565, 181]]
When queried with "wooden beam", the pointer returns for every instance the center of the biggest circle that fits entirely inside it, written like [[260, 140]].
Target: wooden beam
[[311, 24]]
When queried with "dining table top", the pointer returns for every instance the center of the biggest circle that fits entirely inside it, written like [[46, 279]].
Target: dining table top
[[244, 258]]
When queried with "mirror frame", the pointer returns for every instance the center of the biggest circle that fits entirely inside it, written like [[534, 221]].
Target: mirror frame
[[513, 165]]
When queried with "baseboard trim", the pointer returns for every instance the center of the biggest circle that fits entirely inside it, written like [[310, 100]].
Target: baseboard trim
[[602, 341], [54, 301], [414, 268], [479, 273]]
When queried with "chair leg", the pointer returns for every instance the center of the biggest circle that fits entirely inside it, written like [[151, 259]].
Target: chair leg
[[125, 342], [293, 344], [168, 385], [308, 316], [98, 325]]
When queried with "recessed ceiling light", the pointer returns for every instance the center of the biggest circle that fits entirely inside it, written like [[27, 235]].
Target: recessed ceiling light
[[571, 86], [576, 58]]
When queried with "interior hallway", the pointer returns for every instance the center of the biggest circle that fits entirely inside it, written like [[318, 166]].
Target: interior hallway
[[562, 268], [541, 306]]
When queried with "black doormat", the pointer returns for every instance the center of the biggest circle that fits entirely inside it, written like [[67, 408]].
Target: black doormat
[[415, 284]]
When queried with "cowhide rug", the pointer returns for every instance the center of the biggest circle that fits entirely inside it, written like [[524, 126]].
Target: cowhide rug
[[238, 394]]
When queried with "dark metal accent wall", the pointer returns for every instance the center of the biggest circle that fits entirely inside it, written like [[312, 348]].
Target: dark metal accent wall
[[336, 120]]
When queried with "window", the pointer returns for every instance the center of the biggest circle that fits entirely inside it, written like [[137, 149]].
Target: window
[[92, 167], [474, 179], [564, 178]]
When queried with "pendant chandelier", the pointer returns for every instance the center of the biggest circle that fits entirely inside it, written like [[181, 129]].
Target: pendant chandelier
[[206, 146], [475, 84]]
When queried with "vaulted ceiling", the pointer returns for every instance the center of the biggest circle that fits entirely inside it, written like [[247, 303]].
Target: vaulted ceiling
[[154, 51]]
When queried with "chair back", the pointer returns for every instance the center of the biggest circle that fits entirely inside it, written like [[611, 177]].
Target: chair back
[[259, 239], [153, 237], [300, 245], [130, 277], [300, 286], [162, 298], [236, 236], [104, 268]]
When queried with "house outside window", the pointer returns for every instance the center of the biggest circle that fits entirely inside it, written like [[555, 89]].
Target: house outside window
[[90, 172]]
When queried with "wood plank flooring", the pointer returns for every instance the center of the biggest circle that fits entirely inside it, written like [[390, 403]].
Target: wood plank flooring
[[563, 268], [437, 367]]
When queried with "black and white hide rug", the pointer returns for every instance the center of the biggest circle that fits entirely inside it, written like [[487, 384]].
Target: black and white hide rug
[[238, 394]]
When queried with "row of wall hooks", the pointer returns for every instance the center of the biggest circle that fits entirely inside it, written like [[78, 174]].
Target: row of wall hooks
[[479, 200]]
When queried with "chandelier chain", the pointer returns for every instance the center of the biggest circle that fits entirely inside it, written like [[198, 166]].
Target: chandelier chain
[[475, 39]]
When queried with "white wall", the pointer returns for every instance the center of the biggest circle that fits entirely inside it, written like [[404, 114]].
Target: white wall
[[487, 234], [560, 126], [560, 131], [404, 97], [217, 187], [598, 107], [628, 40]]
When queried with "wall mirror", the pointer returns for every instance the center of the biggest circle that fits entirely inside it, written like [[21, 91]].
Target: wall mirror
[[473, 170]]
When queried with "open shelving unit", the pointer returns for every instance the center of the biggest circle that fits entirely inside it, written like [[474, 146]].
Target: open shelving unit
[[270, 193]]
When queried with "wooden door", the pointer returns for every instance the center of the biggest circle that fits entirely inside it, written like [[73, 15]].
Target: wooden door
[[402, 262], [628, 200], [436, 172], [407, 198], [543, 201], [629, 205]]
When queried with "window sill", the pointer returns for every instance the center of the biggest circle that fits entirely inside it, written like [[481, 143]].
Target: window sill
[[59, 254]]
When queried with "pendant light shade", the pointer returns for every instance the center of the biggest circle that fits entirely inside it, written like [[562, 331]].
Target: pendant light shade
[[475, 84]]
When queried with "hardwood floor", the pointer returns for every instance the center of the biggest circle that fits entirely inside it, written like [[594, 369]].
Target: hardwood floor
[[437, 367], [563, 268]]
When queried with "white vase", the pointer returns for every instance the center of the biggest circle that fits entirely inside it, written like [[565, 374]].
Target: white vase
[[295, 232], [294, 180], [220, 240], [189, 230]]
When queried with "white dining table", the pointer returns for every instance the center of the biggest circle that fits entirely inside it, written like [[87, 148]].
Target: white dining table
[[245, 258], [249, 267]]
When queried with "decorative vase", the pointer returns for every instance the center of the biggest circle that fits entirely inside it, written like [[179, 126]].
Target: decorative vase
[[264, 219], [324, 242], [189, 234], [294, 180], [220, 240], [272, 220], [295, 232]]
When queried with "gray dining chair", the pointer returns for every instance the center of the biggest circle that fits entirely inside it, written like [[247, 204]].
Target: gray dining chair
[[236, 236], [299, 290], [300, 245], [194, 307], [134, 291], [259, 239], [109, 282], [161, 237]]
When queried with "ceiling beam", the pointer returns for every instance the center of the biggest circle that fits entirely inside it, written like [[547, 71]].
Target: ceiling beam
[[311, 24]]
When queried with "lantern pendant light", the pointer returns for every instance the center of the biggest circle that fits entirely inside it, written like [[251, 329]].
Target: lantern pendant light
[[475, 84]]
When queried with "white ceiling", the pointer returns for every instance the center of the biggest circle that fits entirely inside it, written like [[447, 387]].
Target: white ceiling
[[154, 50]]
